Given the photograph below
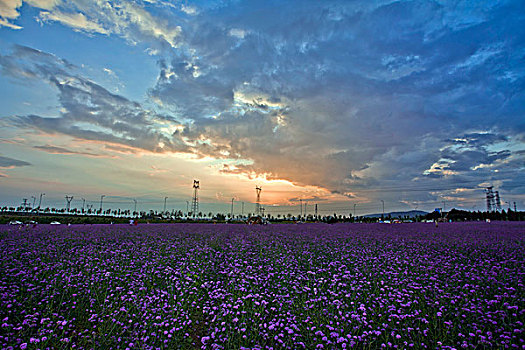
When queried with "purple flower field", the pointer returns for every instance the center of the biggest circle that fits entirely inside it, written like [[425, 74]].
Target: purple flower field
[[191, 286]]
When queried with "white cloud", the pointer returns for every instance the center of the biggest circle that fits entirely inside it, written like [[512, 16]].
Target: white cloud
[[190, 10], [9, 8], [9, 11], [152, 52], [5, 23], [478, 58], [148, 24], [44, 4], [109, 72], [239, 33], [77, 21], [125, 18]]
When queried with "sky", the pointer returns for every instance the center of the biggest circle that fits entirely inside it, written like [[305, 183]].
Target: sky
[[343, 104]]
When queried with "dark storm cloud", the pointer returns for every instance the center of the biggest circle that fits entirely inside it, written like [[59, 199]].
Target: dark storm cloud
[[368, 93]]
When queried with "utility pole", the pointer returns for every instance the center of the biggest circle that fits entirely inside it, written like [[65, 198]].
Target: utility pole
[[34, 200], [382, 201], [24, 204], [101, 199], [242, 209], [316, 210], [515, 207], [68, 203], [354, 209], [231, 214], [165, 198], [135, 208], [444, 207], [301, 205], [83, 203]]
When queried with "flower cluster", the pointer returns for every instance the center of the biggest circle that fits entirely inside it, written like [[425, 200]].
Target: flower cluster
[[312, 286]]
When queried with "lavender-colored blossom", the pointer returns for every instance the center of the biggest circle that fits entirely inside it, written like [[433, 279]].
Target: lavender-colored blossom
[[280, 286]]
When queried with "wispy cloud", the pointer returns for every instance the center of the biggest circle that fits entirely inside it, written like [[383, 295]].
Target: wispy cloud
[[61, 150], [77, 21], [10, 163], [6, 162], [128, 19]]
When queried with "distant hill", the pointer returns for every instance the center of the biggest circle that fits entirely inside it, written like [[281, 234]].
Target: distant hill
[[395, 214]]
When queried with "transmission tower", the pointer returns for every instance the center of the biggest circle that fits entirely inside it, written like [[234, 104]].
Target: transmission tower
[[40, 201], [195, 201], [68, 202], [490, 198], [498, 201], [305, 204], [258, 201]]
